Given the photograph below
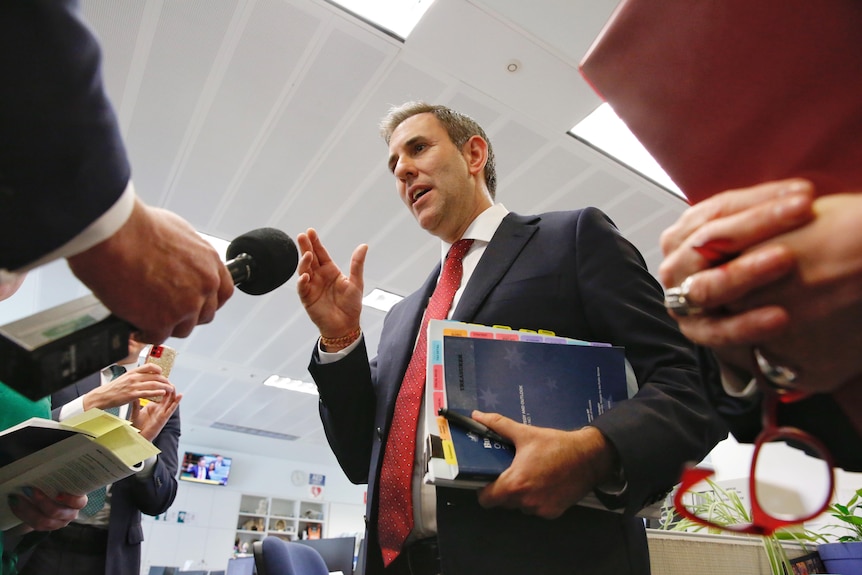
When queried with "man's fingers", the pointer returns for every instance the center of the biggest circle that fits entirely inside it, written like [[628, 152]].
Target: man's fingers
[[506, 427], [727, 237], [746, 328], [729, 203], [715, 287], [357, 265]]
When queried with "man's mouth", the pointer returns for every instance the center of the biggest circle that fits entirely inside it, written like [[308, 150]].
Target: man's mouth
[[419, 193]]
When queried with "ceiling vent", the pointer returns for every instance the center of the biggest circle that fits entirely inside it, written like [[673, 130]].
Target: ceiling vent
[[254, 431]]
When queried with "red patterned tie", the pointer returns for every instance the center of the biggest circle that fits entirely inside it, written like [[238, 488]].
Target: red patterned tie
[[396, 503]]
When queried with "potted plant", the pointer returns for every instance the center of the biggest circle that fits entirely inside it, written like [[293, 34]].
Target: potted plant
[[724, 507], [844, 556]]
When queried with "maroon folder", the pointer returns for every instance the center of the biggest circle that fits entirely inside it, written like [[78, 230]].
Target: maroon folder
[[729, 93]]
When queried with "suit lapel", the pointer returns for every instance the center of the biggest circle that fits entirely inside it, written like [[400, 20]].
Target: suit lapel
[[508, 241], [511, 237]]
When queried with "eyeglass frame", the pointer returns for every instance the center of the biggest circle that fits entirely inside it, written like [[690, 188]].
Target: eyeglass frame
[[762, 522]]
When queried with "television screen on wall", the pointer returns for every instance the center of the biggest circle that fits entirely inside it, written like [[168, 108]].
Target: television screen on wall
[[210, 468]]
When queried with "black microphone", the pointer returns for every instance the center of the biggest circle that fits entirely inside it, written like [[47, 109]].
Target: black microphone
[[261, 260], [49, 350]]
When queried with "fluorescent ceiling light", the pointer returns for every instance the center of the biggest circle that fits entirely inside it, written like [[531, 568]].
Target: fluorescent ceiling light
[[291, 384], [382, 300], [396, 16], [604, 130]]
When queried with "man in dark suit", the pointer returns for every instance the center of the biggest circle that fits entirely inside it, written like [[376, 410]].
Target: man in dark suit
[[107, 539], [568, 272], [65, 187], [199, 469]]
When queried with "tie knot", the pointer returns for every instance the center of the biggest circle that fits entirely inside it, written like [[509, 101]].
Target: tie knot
[[459, 249], [117, 371]]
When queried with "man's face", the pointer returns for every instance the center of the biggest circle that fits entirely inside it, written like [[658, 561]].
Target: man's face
[[433, 177]]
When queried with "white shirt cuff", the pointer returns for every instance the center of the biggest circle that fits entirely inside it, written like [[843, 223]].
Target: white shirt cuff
[[734, 383], [333, 356], [104, 227]]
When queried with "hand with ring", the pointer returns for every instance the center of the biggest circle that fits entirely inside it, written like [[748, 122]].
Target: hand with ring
[[773, 267], [678, 300]]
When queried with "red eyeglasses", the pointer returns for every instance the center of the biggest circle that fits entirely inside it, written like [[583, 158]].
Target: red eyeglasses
[[791, 496]]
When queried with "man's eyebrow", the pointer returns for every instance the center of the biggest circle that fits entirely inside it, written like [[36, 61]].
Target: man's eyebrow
[[407, 144]]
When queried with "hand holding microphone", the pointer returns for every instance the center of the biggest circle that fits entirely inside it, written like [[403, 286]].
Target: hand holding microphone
[[171, 288], [159, 275], [156, 273]]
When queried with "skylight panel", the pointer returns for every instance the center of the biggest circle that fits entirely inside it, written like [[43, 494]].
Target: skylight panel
[[604, 130], [398, 17]]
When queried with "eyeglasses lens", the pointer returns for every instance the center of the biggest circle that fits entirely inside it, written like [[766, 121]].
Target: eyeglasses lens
[[792, 479]]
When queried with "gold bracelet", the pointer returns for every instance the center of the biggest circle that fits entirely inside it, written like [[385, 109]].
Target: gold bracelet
[[344, 339]]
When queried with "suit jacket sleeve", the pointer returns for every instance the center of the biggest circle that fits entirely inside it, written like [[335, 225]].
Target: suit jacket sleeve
[[669, 421], [155, 494], [818, 414], [347, 409], [62, 161]]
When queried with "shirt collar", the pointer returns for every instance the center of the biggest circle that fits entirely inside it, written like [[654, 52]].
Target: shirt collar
[[482, 229]]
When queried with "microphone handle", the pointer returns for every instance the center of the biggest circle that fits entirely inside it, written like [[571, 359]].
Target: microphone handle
[[240, 268]]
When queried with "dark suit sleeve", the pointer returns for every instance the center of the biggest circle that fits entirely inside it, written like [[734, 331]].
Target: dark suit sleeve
[[818, 414], [155, 494], [347, 408], [62, 161], [669, 421]]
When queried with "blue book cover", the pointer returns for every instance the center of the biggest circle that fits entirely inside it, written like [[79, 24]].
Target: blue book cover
[[557, 385]]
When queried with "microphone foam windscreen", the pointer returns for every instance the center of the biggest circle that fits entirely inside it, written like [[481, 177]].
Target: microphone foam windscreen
[[274, 255]]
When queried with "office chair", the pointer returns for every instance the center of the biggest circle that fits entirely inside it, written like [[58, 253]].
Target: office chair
[[274, 556], [337, 552]]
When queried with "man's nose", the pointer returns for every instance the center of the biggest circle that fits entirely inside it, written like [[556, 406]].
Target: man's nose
[[404, 169]]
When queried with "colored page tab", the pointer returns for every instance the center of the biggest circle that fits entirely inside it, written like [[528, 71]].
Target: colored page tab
[[437, 371], [439, 399], [482, 334], [436, 352], [449, 452], [507, 336], [446, 440], [443, 426]]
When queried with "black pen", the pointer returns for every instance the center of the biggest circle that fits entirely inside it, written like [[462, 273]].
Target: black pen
[[471, 424]]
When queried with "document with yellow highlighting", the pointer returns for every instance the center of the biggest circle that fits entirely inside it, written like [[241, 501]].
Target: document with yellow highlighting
[[81, 454]]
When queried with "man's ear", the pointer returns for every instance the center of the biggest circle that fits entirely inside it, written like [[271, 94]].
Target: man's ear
[[475, 152]]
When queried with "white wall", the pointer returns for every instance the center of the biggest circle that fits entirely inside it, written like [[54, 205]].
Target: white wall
[[207, 535]]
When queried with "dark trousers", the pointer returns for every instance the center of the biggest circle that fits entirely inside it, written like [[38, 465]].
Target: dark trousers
[[418, 558], [73, 550]]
